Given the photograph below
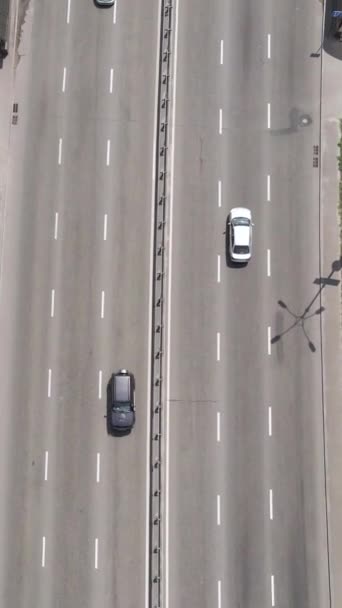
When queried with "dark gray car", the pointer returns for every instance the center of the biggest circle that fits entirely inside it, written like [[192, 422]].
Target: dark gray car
[[121, 401]]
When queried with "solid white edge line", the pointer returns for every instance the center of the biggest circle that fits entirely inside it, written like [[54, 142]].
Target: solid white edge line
[[56, 226], [148, 398], [268, 262], [111, 80], [268, 46], [218, 508], [220, 121], [52, 311], [96, 553], [218, 427], [64, 80], [105, 227], [221, 53], [68, 12], [271, 505], [46, 466], [218, 345], [270, 421], [272, 590], [43, 552], [167, 450], [49, 382], [100, 384], [218, 268], [268, 115], [114, 13], [60, 147], [219, 193], [108, 153], [218, 594], [98, 467], [102, 303], [268, 188], [269, 340]]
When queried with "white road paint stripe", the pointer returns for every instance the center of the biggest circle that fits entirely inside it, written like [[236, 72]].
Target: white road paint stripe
[[268, 46], [218, 505], [56, 226], [100, 384], [68, 12], [219, 269], [102, 304], [98, 457], [96, 553], [111, 80], [218, 427], [108, 152], [60, 144], [268, 115], [272, 590], [219, 601], [268, 262], [268, 188], [114, 13], [64, 80], [218, 341], [221, 53], [105, 227], [46, 467], [270, 421], [52, 312], [269, 340], [271, 504], [43, 552], [220, 122], [49, 383], [219, 193]]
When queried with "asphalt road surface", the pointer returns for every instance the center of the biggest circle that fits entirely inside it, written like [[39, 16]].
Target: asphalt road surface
[[246, 512], [75, 296]]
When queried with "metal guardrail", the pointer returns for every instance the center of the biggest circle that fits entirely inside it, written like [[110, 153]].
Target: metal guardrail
[[155, 565]]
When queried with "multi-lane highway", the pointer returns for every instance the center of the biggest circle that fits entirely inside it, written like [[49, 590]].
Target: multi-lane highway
[[244, 514]]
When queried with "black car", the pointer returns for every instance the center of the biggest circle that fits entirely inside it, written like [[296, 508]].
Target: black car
[[121, 412]]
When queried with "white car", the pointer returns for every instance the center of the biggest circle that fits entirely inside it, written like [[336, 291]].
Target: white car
[[239, 226]]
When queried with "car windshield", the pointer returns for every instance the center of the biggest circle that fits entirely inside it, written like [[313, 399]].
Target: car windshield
[[241, 221], [122, 407], [241, 249]]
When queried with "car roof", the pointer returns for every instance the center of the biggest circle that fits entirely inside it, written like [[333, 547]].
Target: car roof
[[241, 235], [122, 387]]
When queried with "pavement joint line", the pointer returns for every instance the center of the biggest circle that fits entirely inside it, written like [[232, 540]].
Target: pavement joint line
[[221, 52], [64, 80], [114, 13], [100, 384], [49, 382], [43, 552], [269, 339], [218, 345], [98, 462], [268, 46], [268, 188], [271, 504], [105, 227], [96, 564], [219, 268], [218, 427], [218, 507], [272, 590], [220, 121], [111, 80], [219, 599], [270, 421], [268, 115], [102, 303], [108, 153], [268, 262], [46, 466], [219, 193], [56, 226], [60, 148], [68, 11], [52, 311]]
